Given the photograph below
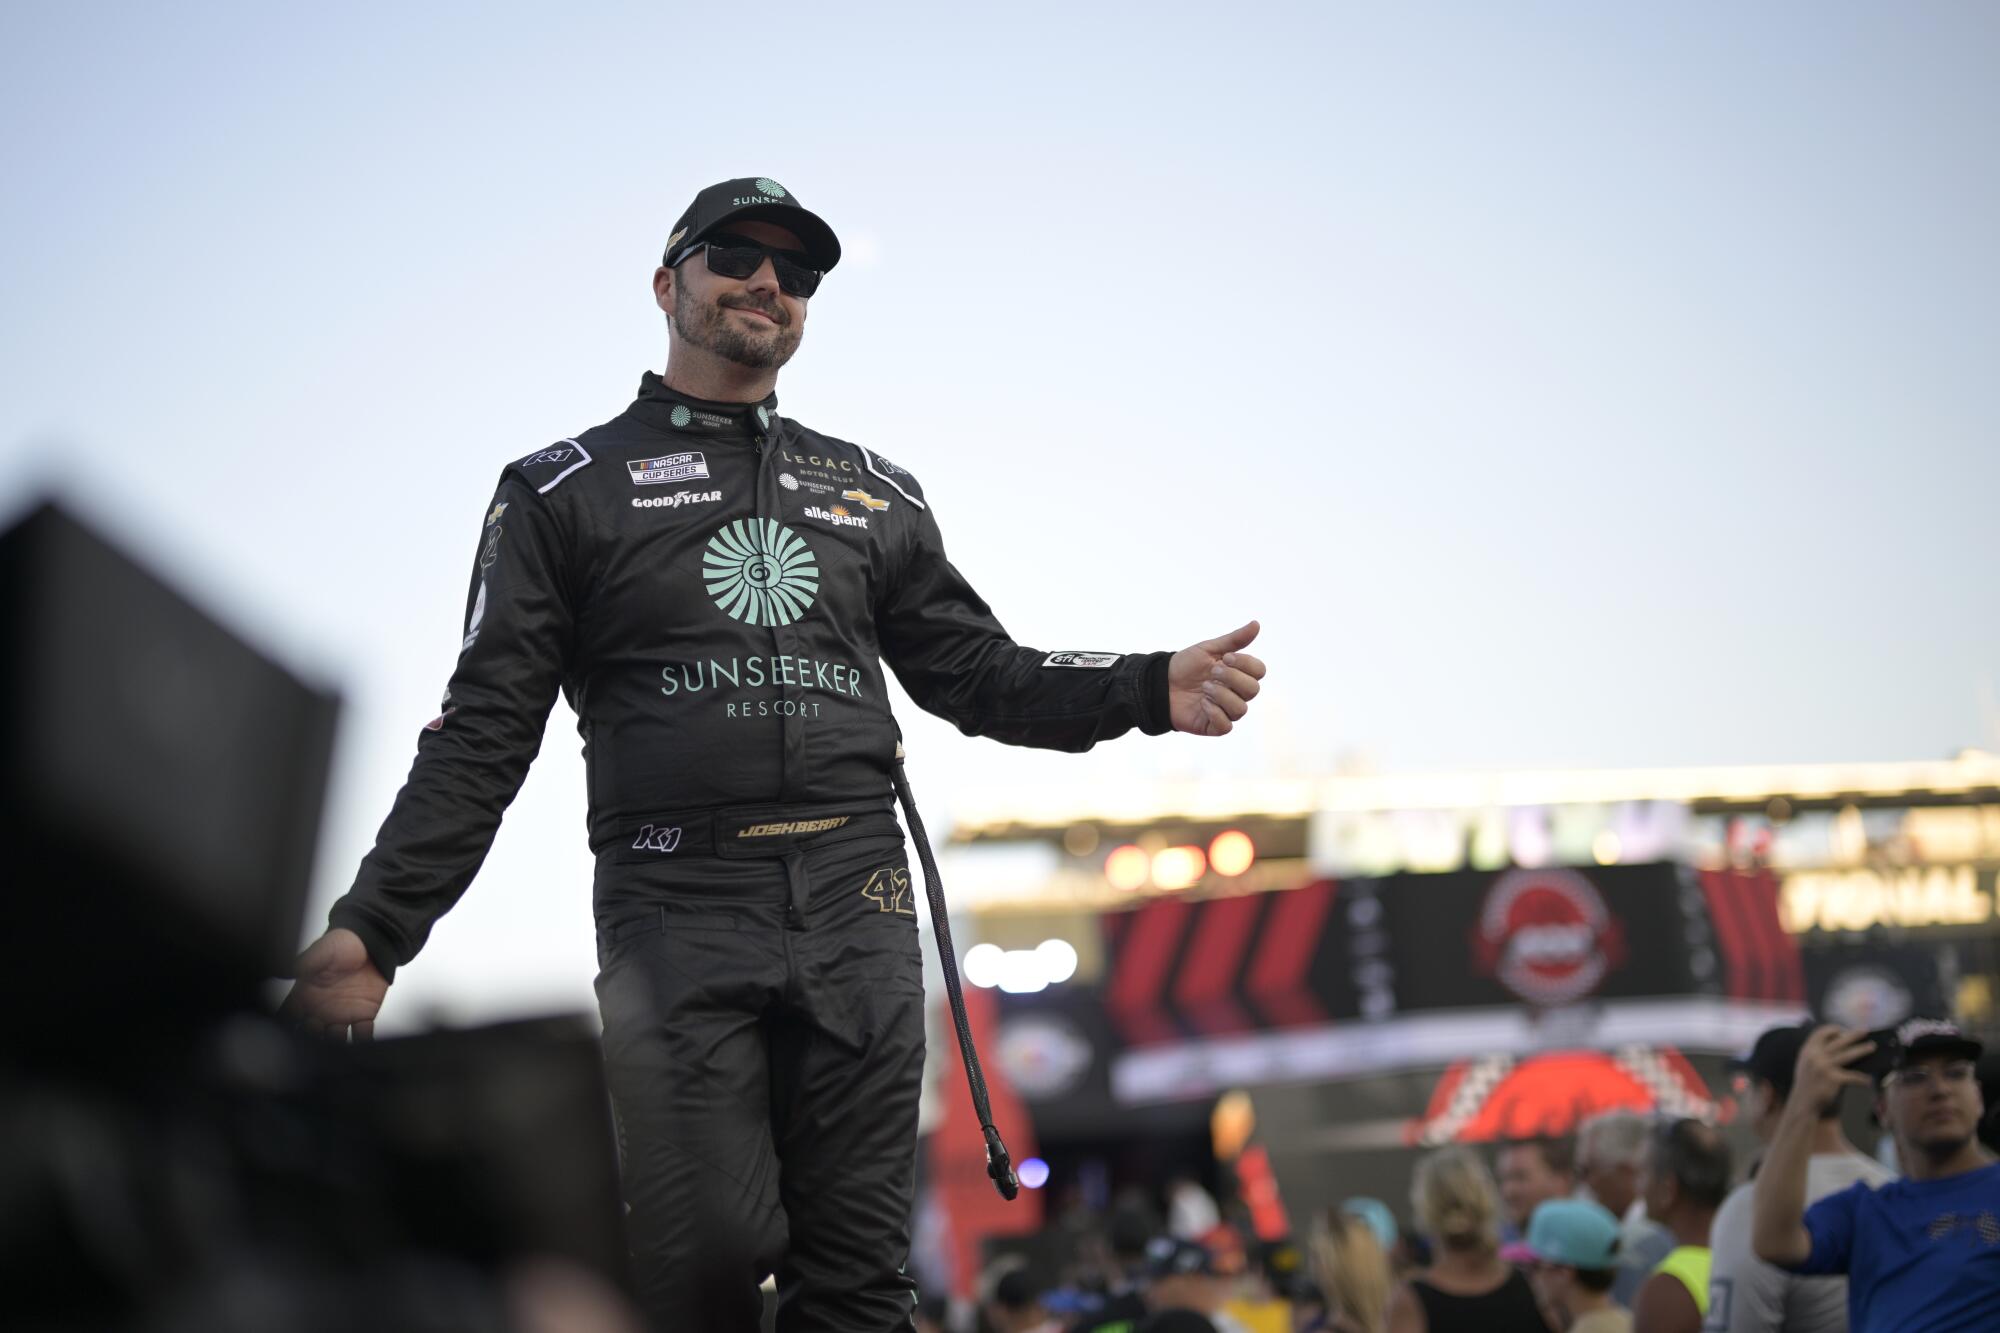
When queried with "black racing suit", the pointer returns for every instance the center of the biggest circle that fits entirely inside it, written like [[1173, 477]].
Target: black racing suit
[[714, 587]]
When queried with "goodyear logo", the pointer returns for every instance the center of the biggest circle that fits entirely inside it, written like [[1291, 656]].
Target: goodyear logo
[[794, 826]]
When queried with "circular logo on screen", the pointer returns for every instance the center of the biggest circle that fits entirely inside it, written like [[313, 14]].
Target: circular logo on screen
[[1044, 1054], [1547, 936], [760, 571], [1867, 997]]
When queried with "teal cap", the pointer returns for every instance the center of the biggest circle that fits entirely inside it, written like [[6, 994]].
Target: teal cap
[[1377, 1215], [1575, 1233]]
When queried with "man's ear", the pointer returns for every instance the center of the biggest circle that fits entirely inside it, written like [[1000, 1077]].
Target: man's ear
[[663, 288]]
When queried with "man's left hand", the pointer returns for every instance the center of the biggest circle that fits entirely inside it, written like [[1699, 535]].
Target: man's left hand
[[1210, 685]]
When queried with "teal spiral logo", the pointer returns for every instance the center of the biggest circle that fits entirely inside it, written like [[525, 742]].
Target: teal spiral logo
[[765, 185], [680, 416], [760, 571]]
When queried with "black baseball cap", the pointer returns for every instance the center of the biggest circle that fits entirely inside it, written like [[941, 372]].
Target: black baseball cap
[[752, 197], [1919, 1037], [1775, 1056], [1170, 1256]]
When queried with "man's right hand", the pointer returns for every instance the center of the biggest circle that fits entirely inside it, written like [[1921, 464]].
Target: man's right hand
[[336, 989], [1823, 1067]]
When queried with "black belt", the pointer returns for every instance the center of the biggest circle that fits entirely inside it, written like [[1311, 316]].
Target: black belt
[[749, 832]]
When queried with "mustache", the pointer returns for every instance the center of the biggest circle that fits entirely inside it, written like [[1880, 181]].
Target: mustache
[[771, 308]]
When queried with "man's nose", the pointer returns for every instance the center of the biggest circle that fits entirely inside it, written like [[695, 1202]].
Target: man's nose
[[765, 278]]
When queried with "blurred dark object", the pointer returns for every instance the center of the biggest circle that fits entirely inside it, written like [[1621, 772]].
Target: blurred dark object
[[1017, 1290], [310, 1174], [1177, 1321], [171, 1158], [160, 792], [1989, 1089]]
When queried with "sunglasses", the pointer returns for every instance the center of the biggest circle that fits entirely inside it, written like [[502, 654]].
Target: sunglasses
[[739, 257]]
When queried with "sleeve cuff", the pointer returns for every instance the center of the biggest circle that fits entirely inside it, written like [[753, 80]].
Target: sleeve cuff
[[373, 938], [1156, 716]]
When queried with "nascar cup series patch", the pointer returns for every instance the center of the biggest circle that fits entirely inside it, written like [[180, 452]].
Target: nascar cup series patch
[[672, 467]]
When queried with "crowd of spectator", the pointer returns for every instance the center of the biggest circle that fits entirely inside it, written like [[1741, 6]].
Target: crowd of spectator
[[1632, 1228]]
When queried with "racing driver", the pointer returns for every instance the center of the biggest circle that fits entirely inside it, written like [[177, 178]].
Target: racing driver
[[714, 588]]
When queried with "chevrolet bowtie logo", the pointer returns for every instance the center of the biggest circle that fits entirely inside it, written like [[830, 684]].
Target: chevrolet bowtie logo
[[865, 499]]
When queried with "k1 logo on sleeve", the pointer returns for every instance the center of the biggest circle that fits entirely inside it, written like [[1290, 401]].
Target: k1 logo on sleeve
[[546, 467], [1086, 661]]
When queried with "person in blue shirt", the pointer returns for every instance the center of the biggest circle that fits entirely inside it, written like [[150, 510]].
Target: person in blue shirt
[[1921, 1253]]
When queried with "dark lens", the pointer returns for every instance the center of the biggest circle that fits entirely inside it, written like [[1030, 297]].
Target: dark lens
[[794, 278], [734, 261]]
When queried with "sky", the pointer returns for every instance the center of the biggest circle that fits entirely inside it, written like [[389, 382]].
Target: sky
[[1558, 383]]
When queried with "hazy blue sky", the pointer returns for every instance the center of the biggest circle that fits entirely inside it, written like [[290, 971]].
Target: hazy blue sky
[[1560, 383]]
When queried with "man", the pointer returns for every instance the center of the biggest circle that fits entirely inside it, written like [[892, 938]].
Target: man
[[1186, 1276], [1921, 1253], [1128, 1234], [1530, 1173], [714, 589], [1574, 1244], [1685, 1181], [1611, 1150], [1745, 1294], [1015, 1305]]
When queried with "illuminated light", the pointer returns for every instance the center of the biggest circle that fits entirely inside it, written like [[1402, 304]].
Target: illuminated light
[[1232, 853], [1178, 867], [1126, 868], [1033, 1172], [1021, 973], [1852, 900], [1080, 839], [1058, 960], [1606, 848], [982, 965], [1231, 1123]]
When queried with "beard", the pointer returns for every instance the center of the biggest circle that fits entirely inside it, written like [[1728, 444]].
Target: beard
[[708, 327]]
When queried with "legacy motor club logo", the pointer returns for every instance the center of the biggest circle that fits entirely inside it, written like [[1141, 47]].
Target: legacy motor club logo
[[1547, 936], [760, 571]]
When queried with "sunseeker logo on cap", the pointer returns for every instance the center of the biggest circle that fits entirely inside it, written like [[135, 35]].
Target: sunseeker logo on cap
[[768, 192]]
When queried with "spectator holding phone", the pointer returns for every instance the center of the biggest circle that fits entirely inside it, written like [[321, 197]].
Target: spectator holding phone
[[1745, 1294], [1921, 1253]]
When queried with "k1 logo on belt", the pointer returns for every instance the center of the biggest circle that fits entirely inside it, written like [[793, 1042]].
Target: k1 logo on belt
[[652, 839], [889, 889]]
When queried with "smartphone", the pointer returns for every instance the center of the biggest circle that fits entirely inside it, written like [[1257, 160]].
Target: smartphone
[[1878, 1061]]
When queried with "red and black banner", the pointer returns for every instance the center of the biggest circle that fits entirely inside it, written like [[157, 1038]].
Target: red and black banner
[[1182, 969]]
